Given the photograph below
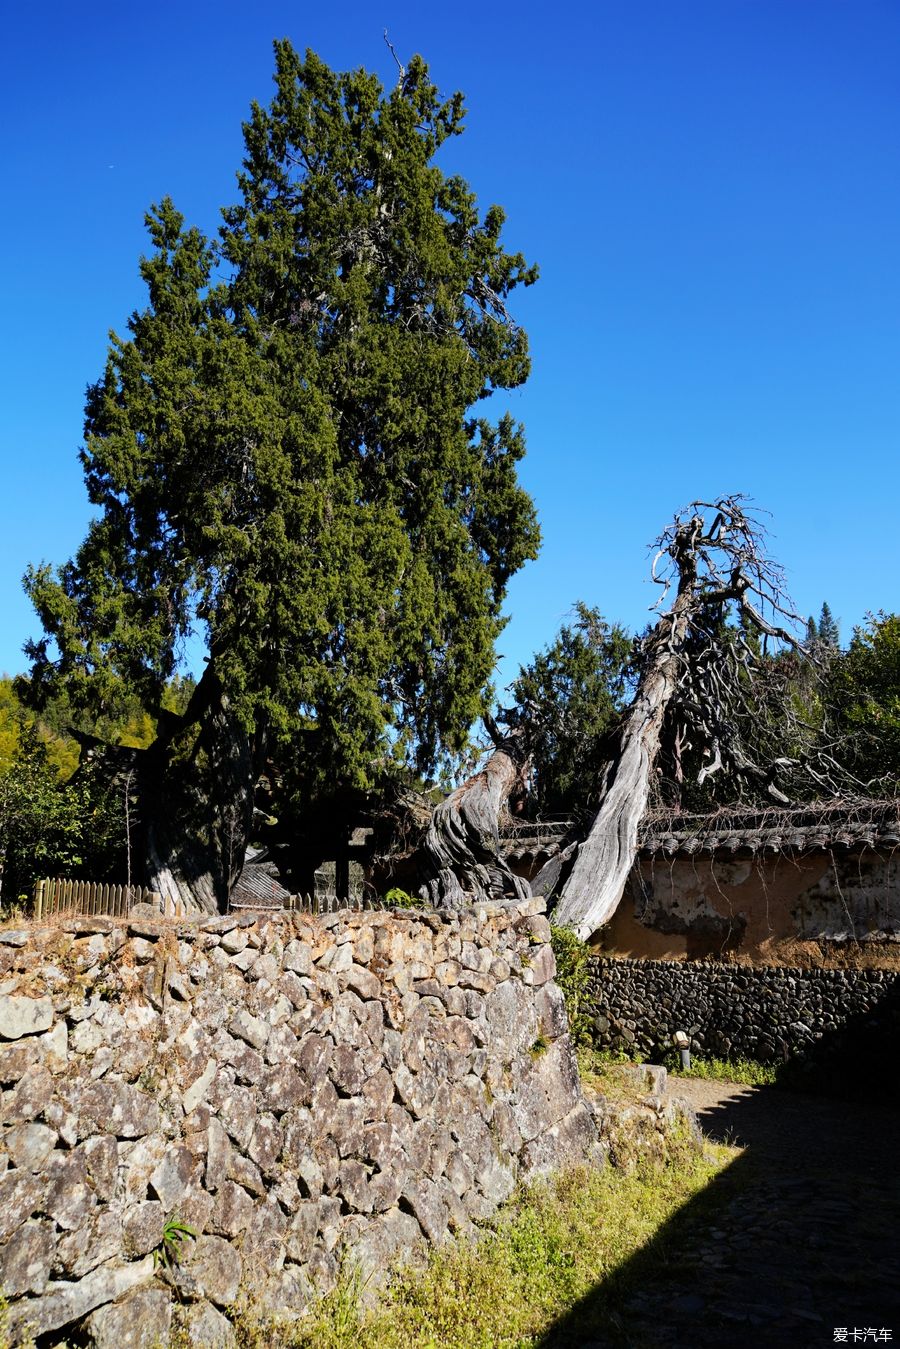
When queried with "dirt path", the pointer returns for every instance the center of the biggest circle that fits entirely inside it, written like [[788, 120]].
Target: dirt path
[[798, 1237]]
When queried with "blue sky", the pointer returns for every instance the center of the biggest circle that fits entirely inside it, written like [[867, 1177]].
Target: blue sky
[[711, 191]]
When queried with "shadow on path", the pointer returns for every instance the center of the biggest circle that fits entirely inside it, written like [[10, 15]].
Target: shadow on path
[[798, 1236]]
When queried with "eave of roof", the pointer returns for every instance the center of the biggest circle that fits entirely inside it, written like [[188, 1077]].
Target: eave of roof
[[840, 825]]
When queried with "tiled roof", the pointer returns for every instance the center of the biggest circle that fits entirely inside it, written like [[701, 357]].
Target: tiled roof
[[521, 839], [841, 825], [258, 889]]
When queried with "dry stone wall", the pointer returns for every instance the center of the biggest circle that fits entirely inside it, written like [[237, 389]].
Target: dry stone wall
[[764, 1013], [298, 1090]]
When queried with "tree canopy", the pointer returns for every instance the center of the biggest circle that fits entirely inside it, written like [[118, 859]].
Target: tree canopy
[[865, 687], [571, 695], [287, 454]]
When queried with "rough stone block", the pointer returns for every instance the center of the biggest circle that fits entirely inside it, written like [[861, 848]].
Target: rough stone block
[[543, 966], [216, 1269], [141, 1320], [249, 1028], [238, 1114], [246, 1173], [102, 1239], [142, 1227], [206, 1327], [16, 1059], [232, 1211], [429, 1209], [29, 1145], [266, 1142], [218, 1154], [68, 1302], [196, 1092], [297, 957], [26, 1259], [70, 1196], [172, 1177], [29, 1098], [117, 1108]]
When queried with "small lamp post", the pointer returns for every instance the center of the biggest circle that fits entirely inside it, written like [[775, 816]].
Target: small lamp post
[[682, 1043]]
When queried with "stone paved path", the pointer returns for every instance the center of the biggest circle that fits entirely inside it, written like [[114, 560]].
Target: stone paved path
[[798, 1237]]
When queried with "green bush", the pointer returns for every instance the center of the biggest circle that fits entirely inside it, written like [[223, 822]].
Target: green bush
[[573, 975], [401, 899]]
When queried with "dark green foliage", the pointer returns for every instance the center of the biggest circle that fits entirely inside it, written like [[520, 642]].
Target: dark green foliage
[[829, 634], [571, 695], [865, 688], [52, 828], [283, 451], [573, 974]]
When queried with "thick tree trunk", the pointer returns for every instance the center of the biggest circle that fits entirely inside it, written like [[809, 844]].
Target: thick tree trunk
[[713, 678], [462, 845], [605, 858], [197, 796]]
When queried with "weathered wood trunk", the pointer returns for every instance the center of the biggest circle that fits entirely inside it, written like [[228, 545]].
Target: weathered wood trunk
[[462, 844], [605, 858], [197, 796]]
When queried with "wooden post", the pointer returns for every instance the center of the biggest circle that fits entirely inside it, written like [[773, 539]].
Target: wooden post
[[39, 899]]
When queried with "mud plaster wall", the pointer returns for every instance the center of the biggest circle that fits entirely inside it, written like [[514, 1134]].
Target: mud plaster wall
[[699, 906], [736, 1011], [299, 1090]]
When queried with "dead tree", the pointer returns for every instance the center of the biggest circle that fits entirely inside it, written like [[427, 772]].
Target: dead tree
[[706, 677], [461, 849]]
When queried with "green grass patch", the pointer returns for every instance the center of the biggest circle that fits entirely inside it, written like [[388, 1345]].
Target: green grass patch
[[744, 1072], [551, 1246]]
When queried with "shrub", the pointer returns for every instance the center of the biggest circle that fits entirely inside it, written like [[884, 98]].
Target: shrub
[[574, 977]]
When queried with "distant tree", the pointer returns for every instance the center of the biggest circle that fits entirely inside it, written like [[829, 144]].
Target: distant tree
[[865, 688], [16, 719], [571, 695], [287, 453], [51, 827], [829, 634]]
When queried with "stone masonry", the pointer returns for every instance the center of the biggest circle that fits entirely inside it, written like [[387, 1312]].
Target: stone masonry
[[299, 1090], [765, 1013]]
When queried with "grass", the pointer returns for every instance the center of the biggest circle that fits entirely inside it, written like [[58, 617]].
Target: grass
[[745, 1072], [598, 1069], [551, 1246]]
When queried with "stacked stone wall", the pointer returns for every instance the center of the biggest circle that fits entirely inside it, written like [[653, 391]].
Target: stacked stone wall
[[300, 1091], [767, 1014]]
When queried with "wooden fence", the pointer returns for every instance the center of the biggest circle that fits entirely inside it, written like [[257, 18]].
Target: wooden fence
[[59, 896], [56, 895]]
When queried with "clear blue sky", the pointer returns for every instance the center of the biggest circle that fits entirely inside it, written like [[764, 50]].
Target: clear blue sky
[[711, 190]]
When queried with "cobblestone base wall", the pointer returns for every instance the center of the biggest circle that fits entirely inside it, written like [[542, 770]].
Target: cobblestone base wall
[[767, 1014], [297, 1090]]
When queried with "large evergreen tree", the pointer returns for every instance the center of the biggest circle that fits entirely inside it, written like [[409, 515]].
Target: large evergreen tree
[[286, 453], [570, 696]]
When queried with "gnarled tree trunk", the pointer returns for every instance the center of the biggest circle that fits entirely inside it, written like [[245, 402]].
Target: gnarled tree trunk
[[719, 567], [462, 845], [197, 793], [606, 856]]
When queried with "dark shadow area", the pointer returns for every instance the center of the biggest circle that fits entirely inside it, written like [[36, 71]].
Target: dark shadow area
[[857, 1060], [798, 1237]]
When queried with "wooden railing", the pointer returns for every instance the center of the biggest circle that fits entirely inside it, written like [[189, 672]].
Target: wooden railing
[[55, 895], [59, 896]]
